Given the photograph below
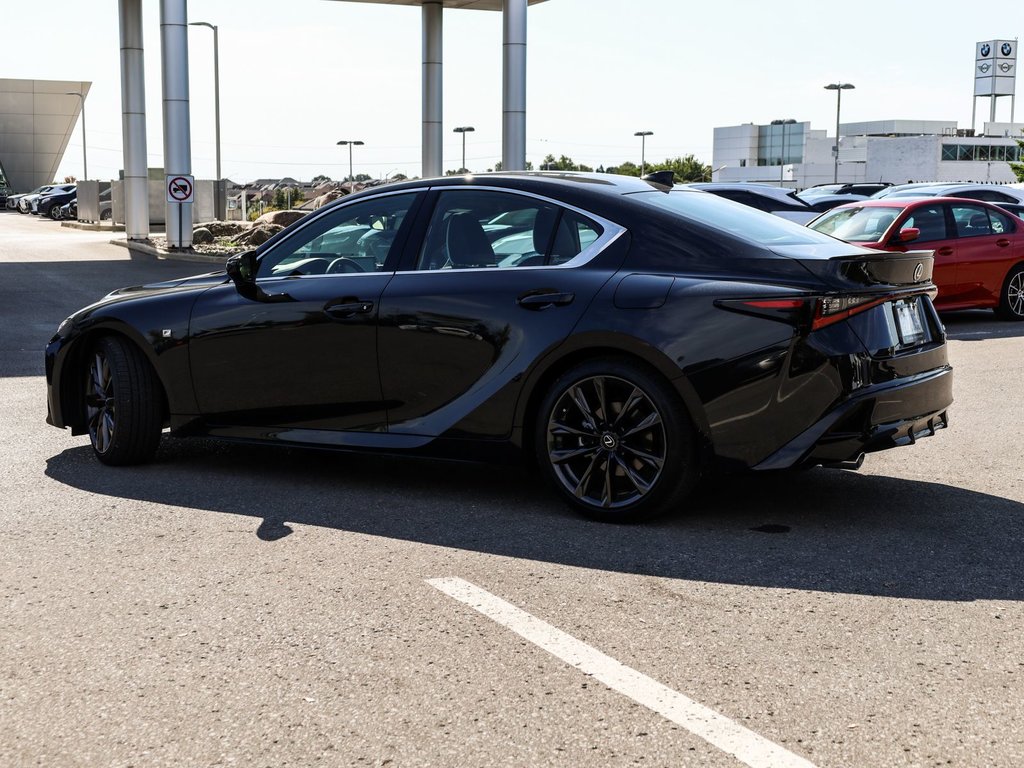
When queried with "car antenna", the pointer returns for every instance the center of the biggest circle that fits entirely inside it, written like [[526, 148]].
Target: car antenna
[[664, 178]]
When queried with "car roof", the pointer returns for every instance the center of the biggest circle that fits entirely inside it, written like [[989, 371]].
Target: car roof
[[768, 190], [908, 201]]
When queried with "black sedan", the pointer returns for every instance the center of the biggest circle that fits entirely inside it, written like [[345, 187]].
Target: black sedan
[[628, 338]]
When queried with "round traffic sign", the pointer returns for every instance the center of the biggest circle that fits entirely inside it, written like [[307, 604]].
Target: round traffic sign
[[180, 189]]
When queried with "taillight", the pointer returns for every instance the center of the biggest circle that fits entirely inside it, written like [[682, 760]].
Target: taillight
[[812, 312]]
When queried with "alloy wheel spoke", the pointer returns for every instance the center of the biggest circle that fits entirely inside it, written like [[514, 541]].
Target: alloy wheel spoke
[[631, 402], [582, 484], [580, 399], [652, 419], [606, 498], [602, 402], [558, 429], [641, 485], [560, 457], [656, 461]]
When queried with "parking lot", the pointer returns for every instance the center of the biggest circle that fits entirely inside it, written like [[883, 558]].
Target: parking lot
[[236, 605]]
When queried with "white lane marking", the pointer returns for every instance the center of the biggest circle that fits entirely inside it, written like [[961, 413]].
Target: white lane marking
[[718, 730]]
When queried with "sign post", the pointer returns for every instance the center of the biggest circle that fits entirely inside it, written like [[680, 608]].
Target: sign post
[[180, 190]]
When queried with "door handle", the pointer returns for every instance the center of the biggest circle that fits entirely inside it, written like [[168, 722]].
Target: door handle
[[545, 300], [348, 308], [1002, 242], [944, 252]]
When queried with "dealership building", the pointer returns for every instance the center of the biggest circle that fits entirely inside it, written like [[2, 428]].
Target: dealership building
[[795, 155]]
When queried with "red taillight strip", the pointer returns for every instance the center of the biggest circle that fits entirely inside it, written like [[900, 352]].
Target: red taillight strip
[[821, 321]]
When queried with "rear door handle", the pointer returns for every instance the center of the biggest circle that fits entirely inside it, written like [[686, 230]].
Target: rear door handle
[[944, 252], [545, 300], [348, 308], [1002, 243]]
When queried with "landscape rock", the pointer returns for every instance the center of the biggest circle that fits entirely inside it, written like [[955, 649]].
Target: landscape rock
[[202, 235], [225, 228], [328, 197], [283, 218], [258, 235]]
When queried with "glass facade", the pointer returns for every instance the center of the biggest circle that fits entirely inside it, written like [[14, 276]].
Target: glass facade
[[780, 144], [981, 152]]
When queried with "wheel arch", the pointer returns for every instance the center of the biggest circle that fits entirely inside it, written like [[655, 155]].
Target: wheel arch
[[583, 349], [72, 400]]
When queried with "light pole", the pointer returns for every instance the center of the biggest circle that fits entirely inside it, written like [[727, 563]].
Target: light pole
[[643, 147], [782, 152], [85, 164], [343, 142], [216, 85], [463, 129], [838, 88]]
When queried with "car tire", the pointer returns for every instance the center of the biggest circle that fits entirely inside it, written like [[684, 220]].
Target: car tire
[[54, 213], [106, 215], [615, 440], [122, 402], [1011, 298]]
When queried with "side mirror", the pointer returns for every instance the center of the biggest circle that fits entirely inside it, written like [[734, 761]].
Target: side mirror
[[908, 234], [241, 268]]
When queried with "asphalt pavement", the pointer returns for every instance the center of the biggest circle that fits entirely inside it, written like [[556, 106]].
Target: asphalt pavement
[[253, 606]]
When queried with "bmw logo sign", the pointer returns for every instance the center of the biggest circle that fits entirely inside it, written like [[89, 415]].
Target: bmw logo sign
[[1006, 49], [986, 49]]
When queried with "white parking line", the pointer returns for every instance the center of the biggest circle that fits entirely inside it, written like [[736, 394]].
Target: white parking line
[[718, 730]]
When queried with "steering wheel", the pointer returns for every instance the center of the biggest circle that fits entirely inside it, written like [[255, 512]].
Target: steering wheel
[[343, 264]]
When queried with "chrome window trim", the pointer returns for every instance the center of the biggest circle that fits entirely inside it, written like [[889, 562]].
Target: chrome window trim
[[611, 233]]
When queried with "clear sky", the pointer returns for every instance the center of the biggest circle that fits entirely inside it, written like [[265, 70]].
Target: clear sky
[[298, 75]]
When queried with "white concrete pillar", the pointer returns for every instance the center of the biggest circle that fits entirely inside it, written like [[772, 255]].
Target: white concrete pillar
[[133, 121], [177, 129], [513, 127], [433, 103]]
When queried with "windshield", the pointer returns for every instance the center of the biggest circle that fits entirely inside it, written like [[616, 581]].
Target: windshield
[[867, 224], [740, 220]]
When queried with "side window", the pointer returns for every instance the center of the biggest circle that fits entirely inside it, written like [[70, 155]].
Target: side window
[[1000, 223], [930, 219], [971, 221], [474, 229], [353, 238]]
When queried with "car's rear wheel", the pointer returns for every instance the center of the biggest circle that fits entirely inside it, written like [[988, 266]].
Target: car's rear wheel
[[55, 212], [122, 403], [105, 214], [616, 441], [1011, 299]]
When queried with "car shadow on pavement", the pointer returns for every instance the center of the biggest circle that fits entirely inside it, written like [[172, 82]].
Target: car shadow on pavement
[[824, 530]]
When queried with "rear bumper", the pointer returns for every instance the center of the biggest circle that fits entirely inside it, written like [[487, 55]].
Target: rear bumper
[[884, 416]]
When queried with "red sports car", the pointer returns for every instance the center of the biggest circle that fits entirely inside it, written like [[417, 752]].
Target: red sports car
[[979, 248]]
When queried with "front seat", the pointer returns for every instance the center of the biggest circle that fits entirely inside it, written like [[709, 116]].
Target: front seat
[[466, 243]]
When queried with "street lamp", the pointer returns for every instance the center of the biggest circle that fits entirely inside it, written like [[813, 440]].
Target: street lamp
[[838, 88], [216, 85], [85, 164], [643, 146], [463, 129], [350, 143], [782, 152]]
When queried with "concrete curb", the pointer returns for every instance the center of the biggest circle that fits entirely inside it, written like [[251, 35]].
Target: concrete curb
[[149, 250]]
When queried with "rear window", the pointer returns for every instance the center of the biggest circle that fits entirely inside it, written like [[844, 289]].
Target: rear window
[[857, 225], [741, 221]]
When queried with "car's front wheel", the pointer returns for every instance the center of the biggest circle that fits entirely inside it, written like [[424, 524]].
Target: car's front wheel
[[122, 403], [616, 441], [1011, 299], [55, 212]]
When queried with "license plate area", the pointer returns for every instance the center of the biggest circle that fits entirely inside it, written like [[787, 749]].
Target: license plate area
[[911, 326]]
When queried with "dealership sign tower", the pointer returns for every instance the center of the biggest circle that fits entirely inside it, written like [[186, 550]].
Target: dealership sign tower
[[995, 74]]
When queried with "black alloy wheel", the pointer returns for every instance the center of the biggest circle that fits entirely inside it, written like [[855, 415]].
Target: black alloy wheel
[[616, 441], [1011, 299], [122, 403]]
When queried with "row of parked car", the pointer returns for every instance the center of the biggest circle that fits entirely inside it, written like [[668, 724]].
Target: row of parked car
[[56, 201], [975, 231]]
